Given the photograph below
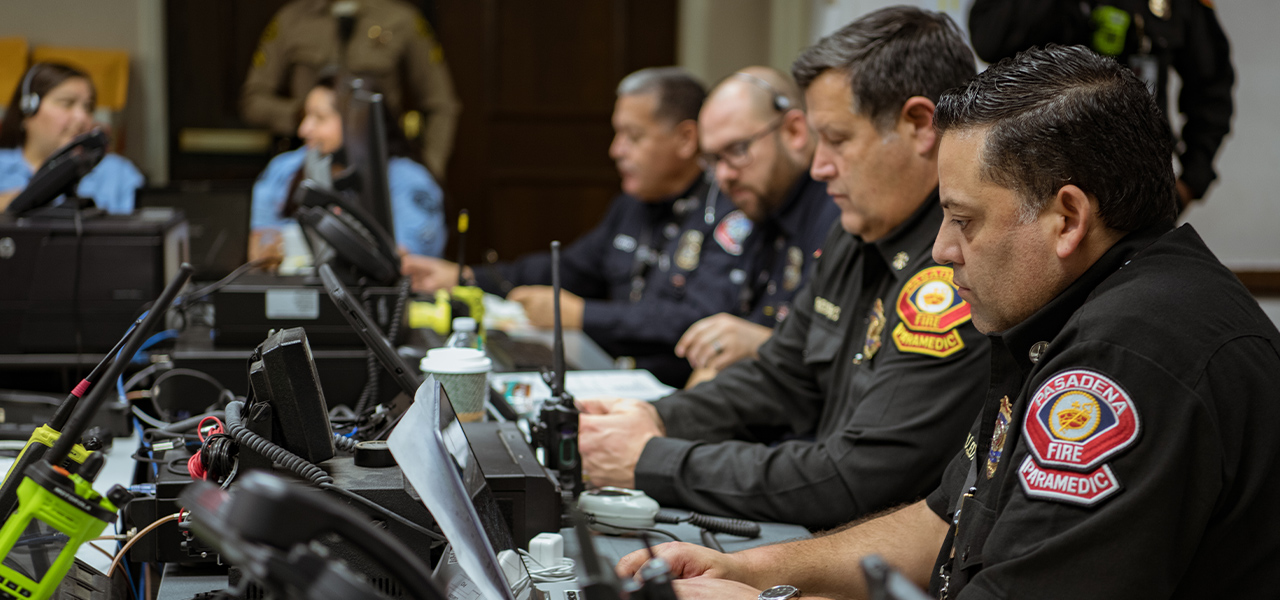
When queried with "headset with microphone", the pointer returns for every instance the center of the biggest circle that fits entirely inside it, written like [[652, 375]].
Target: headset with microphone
[[780, 101], [29, 103]]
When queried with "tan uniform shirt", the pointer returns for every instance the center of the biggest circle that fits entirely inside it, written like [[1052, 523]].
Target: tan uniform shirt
[[392, 43]]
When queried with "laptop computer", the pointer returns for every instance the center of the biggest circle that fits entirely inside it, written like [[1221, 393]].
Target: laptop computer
[[217, 226], [459, 496]]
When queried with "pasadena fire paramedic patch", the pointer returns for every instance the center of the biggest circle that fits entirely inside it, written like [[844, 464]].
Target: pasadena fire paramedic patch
[[931, 310], [1085, 489], [1076, 420]]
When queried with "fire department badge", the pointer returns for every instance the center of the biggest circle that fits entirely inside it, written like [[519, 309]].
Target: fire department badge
[[732, 231], [690, 250], [1078, 419], [875, 330], [998, 436], [794, 269]]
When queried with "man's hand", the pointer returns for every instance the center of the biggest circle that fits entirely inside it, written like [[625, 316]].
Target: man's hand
[[539, 306], [611, 443], [267, 245], [721, 340], [686, 561], [429, 274]]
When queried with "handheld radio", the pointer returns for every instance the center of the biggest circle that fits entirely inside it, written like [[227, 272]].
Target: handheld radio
[[556, 431], [57, 509]]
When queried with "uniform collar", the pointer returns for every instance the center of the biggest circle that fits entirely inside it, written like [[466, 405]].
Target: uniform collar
[[912, 238], [793, 218], [1048, 322], [688, 200]]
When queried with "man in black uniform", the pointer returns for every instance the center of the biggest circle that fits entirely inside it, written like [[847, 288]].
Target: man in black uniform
[[877, 370], [753, 134], [636, 281], [1147, 35], [1126, 447]]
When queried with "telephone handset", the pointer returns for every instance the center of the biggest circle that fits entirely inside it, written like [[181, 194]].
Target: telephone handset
[[61, 172]]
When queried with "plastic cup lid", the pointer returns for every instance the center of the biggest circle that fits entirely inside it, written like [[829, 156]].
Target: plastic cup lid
[[456, 360]]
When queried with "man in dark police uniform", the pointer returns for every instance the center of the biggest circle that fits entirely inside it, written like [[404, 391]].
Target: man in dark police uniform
[[860, 396], [637, 280], [1126, 448]]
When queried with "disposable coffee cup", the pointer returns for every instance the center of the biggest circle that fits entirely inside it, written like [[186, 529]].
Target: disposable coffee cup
[[464, 373]]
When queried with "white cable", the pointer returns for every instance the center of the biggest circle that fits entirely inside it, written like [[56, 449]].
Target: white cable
[[556, 574]]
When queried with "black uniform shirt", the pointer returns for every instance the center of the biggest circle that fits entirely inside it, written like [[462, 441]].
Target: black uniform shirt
[[1139, 456], [641, 272], [779, 255], [884, 405], [1185, 35]]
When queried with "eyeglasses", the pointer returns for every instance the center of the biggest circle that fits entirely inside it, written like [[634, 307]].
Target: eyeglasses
[[736, 154]]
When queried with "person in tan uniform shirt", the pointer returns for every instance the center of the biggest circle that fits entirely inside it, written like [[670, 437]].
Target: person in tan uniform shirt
[[390, 42]]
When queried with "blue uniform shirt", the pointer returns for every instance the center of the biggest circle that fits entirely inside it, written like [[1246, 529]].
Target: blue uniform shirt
[[416, 201], [112, 184], [779, 256], [647, 272]]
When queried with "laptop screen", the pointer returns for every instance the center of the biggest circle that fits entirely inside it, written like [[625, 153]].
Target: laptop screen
[[481, 520]]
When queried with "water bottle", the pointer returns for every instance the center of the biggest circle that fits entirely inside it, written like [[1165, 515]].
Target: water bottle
[[464, 334]]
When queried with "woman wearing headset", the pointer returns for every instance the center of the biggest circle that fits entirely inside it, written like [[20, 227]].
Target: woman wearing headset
[[53, 104], [416, 199]]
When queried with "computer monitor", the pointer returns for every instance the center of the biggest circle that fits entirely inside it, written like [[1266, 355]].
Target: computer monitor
[[217, 225], [364, 138]]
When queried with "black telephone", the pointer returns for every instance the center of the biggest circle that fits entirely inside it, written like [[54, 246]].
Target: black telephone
[[61, 172], [356, 243]]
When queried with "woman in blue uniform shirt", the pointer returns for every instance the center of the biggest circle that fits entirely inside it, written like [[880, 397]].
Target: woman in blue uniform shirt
[[53, 104], [416, 199]]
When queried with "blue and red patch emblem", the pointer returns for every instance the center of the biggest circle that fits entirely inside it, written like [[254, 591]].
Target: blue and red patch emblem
[[732, 231], [1075, 422], [1078, 419]]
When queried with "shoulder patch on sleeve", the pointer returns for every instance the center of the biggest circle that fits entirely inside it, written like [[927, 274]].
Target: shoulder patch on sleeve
[[930, 309], [732, 231], [931, 303], [1083, 489], [1078, 419], [931, 344]]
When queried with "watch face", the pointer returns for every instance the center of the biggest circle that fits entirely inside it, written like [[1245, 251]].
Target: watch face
[[780, 592]]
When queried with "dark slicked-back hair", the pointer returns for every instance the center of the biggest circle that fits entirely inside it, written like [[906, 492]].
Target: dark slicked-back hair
[[679, 94], [1063, 114], [891, 55]]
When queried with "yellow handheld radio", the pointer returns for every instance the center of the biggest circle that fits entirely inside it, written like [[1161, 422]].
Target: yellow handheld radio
[[57, 508]]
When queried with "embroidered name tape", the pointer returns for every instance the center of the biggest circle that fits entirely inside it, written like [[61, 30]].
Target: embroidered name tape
[[1085, 489], [930, 303], [1078, 419]]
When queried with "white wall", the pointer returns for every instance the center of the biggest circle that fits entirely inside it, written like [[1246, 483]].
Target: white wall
[[1241, 218], [135, 26]]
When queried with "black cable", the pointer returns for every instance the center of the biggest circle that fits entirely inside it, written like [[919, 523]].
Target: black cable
[[709, 540], [344, 443], [221, 283], [384, 510], [305, 469], [77, 325], [666, 534], [171, 464], [373, 369], [218, 455], [738, 527]]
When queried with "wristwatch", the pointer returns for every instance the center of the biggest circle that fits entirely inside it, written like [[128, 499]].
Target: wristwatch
[[779, 592]]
